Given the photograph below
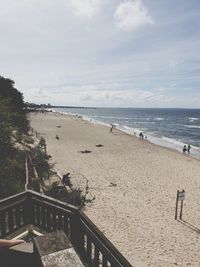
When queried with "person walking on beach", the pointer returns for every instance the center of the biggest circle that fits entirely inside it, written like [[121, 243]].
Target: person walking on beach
[[141, 135], [184, 149], [188, 149], [111, 128]]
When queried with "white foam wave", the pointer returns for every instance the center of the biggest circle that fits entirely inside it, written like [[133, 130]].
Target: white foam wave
[[192, 126], [172, 141], [159, 119], [112, 117], [193, 118], [131, 130]]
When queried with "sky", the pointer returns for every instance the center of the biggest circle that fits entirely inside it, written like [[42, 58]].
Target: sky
[[103, 53]]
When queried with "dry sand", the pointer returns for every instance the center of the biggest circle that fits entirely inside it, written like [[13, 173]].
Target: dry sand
[[136, 215]]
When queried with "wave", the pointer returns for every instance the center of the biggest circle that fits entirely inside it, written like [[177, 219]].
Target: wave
[[132, 129], [161, 140], [145, 122], [154, 136], [193, 119], [111, 117], [173, 141], [192, 126], [159, 119]]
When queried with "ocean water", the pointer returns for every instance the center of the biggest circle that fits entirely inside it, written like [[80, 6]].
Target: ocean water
[[167, 127]]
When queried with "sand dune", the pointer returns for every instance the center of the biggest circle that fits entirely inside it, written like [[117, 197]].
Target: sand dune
[[134, 183]]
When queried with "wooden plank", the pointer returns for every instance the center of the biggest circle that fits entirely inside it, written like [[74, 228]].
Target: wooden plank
[[10, 220], [54, 220], [89, 250], [103, 249], [17, 216], [60, 221], [104, 262], [37, 215], [66, 224], [13, 200], [49, 222], [3, 224], [96, 256], [43, 215]]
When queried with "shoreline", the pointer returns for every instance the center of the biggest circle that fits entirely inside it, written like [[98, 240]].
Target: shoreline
[[134, 183], [152, 139]]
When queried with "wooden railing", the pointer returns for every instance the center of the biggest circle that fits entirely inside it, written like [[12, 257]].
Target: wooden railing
[[12, 214], [49, 214]]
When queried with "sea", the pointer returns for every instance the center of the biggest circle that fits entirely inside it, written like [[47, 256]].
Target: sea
[[172, 128]]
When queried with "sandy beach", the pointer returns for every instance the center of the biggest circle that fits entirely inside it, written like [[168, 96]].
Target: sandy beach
[[134, 184]]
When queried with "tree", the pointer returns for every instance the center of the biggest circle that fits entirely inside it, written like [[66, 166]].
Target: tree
[[13, 125]]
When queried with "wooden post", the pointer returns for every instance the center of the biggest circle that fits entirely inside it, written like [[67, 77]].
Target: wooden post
[[26, 167], [181, 211], [179, 197], [176, 211]]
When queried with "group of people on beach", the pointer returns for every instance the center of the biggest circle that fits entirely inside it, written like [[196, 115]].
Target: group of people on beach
[[141, 135], [186, 148]]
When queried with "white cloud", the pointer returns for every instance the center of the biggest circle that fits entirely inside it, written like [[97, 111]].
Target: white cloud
[[123, 98], [84, 8], [131, 15], [91, 96], [196, 101]]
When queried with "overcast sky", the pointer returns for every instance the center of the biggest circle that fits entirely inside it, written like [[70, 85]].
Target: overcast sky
[[112, 53]]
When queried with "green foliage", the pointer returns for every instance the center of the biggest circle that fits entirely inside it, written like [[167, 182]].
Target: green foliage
[[12, 105], [74, 196], [40, 161], [12, 174], [13, 125], [16, 144], [42, 144]]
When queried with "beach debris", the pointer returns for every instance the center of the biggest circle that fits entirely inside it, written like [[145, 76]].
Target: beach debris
[[85, 151], [99, 145], [112, 184], [58, 126], [57, 137]]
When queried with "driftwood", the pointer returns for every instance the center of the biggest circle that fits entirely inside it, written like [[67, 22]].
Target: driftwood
[[85, 151], [99, 145], [112, 184]]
